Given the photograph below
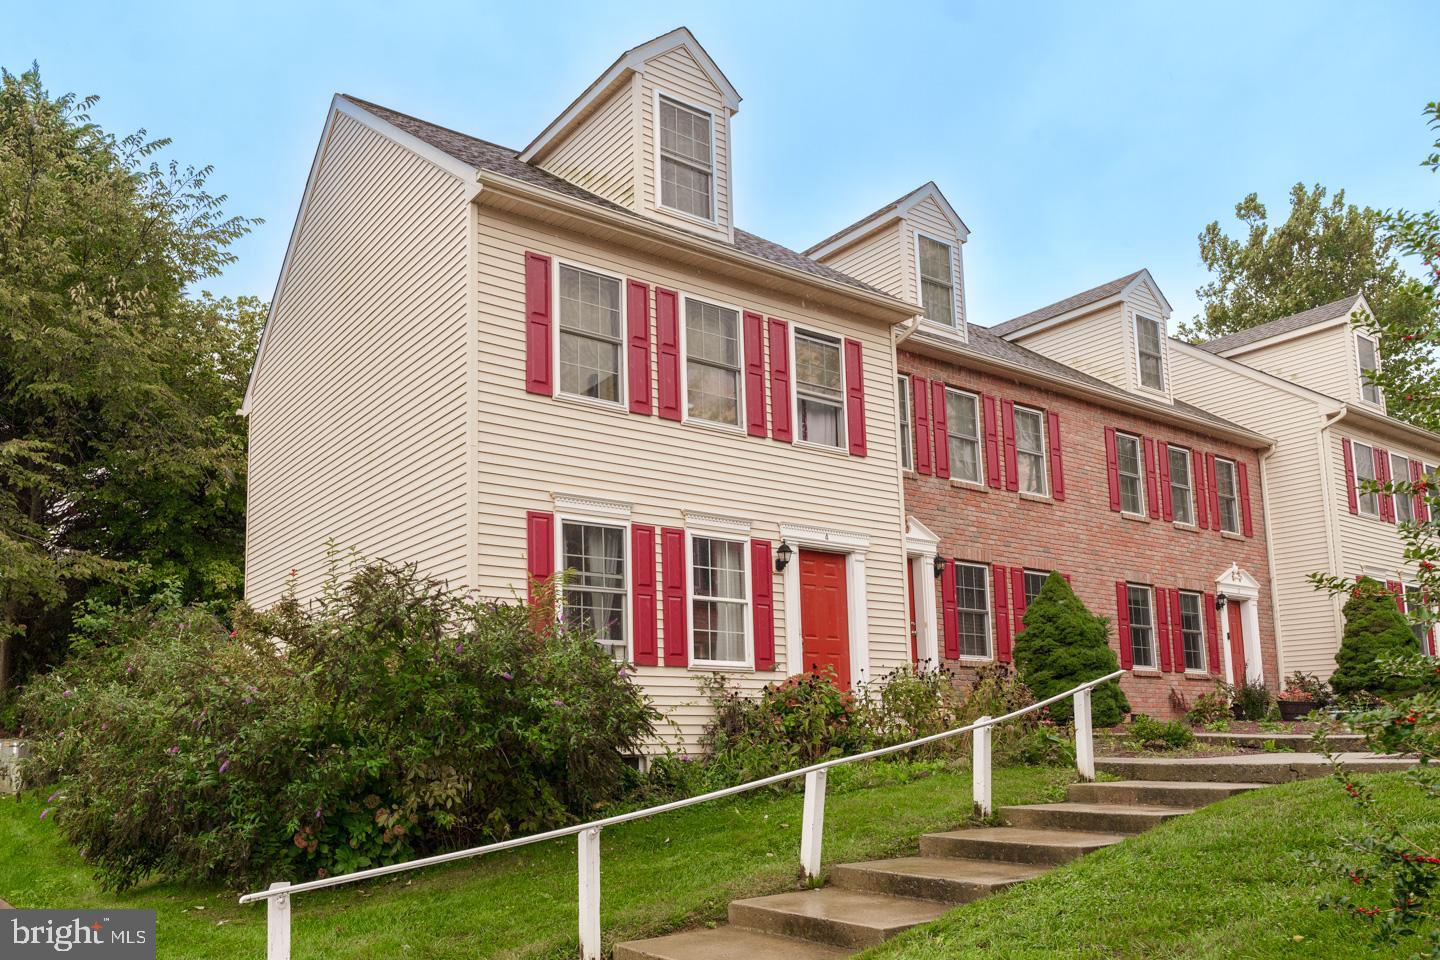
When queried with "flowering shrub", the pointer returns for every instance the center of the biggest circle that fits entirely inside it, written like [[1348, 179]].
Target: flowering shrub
[[1212, 706], [388, 720]]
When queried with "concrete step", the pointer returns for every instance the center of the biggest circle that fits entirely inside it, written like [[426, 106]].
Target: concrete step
[[1016, 845], [844, 918], [726, 943], [946, 879], [1091, 817], [1254, 768], [1299, 742], [1156, 792]]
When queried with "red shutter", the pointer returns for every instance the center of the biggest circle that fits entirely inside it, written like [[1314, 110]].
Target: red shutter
[[539, 548], [1057, 457], [1202, 493], [1152, 486], [1112, 468], [1214, 491], [855, 396], [1161, 613], [642, 588], [920, 389], [992, 444], [637, 315], [1212, 636], [539, 362], [1167, 508], [1422, 506], [1002, 614], [667, 351], [1017, 598], [672, 565], [1382, 476], [1398, 592], [1012, 469], [950, 610], [1247, 525], [1122, 625], [940, 423], [754, 374], [1177, 631], [762, 589], [1351, 499], [780, 380]]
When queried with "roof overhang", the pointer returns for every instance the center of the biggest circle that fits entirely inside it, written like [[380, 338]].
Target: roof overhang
[[1374, 422], [886, 216], [1085, 309]]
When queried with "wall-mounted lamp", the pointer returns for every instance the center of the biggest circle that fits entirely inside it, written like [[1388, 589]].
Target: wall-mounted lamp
[[1220, 601], [782, 557], [939, 565]]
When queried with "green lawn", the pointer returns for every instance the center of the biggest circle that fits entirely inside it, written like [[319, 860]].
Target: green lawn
[[668, 872], [1224, 882]]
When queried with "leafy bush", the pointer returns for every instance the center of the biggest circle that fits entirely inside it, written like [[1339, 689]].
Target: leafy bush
[[1148, 733], [389, 719], [1374, 629], [1064, 645], [1252, 701], [908, 704], [1306, 686], [1213, 706]]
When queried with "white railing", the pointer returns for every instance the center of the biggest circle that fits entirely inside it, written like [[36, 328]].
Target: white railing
[[278, 896]]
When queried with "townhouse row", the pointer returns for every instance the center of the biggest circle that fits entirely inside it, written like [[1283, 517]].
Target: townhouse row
[[503, 364]]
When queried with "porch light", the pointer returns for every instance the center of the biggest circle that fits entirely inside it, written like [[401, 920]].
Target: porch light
[[939, 565], [1220, 601], [782, 557]]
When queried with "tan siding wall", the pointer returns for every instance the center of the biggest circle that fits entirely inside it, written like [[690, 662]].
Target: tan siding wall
[[677, 74], [358, 419], [1324, 361], [1094, 344], [536, 446], [877, 260], [926, 217], [600, 154]]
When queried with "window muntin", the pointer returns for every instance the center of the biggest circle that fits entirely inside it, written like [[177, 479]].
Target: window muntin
[[1182, 489], [1369, 358], [1142, 626], [972, 604], [719, 601], [1404, 502], [591, 334], [937, 280], [962, 427], [686, 160], [819, 389], [712, 362], [1227, 491], [1030, 451], [1192, 631], [1130, 464], [1148, 339], [1364, 460], [907, 436], [1414, 605], [1034, 583], [593, 554]]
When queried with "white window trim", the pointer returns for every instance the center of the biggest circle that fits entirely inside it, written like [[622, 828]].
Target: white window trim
[[710, 533], [1360, 369], [623, 403], [1164, 389], [844, 445], [906, 424], [1044, 452], [985, 578], [1405, 588], [1235, 486], [1120, 477], [1204, 668], [714, 220], [1154, 628], [596, 513], [1026, 571], [1399, 497], [959, 324], [739, 425], [1190, 486], [1360, 494], [979, 440]]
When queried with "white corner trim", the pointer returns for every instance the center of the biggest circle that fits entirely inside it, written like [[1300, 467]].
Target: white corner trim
[[695, 520], [822, 537], [572, 505]]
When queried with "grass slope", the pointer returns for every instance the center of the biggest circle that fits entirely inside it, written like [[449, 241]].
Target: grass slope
[[679, 869], [1224, 882]]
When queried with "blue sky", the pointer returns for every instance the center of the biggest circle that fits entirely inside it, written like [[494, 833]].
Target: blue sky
[[1078, 141]]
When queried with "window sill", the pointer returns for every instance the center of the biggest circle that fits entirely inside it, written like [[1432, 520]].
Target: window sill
[[974, 660], [943, 331], [723, 428], [1136, 517], [689, 217], [821, 448], [1226, 534], [1200, 675], [725, 668], [1037, 497], [1151, 673], [590, 403], [1187, 527], [968, 485]]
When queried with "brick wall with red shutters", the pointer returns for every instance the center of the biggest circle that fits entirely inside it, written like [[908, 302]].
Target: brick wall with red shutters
[[1075, 531]]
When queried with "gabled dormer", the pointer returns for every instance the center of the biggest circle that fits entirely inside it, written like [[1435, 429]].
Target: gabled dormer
[[1116, 332], [652, 134], [911, 249]]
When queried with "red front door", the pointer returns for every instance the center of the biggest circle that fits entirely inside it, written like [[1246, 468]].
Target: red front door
[[824, 620], [1237, 642], [914, 633]]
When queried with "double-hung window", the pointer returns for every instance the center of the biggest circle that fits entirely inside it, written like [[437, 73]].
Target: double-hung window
[[1404, 502], [718, 603], [1227, 491], [1415, 606], [972, 604], [1192, 630], [1142, 626], [594, 596], [937, 280], [1369, 357], [1182, 487], [1131, 466], [1367, 499], [686, 160], [1030, 451], [712, 362], [591, 339], [962, 426], [907, 436], [1034, 583], [1148, 339], [819, 389]]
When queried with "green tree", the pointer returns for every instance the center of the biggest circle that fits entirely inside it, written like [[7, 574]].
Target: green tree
[[121, 455], [1375, 630], [1064, 645]]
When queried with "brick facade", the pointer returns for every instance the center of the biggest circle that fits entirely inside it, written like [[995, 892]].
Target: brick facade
[[1081, 536]]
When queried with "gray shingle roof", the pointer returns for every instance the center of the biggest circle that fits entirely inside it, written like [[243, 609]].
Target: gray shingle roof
[[1084, 298], [1296, 321], [502, 160]]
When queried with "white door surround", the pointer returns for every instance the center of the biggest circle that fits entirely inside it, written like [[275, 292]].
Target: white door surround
[[1237, 586], [854, 546], [921, 548]]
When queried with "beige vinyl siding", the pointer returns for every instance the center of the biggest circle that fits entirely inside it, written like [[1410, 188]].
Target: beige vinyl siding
[[1143, 301], [358, 415], [1323, 361], [1095, 344], [599, 154], [877, 259], [535, 446], [678, 75], [926, 217]]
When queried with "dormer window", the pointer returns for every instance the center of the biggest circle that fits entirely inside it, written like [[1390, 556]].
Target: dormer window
[[687, 160], [1369, 363], [937, 280], [1148, 337]]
